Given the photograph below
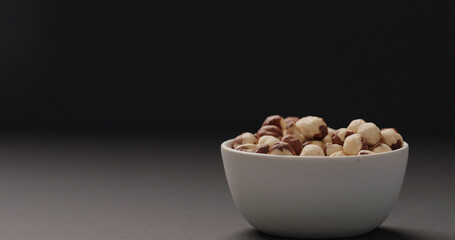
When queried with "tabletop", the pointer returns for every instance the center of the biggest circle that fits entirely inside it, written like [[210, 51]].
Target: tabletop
[[174, 187]]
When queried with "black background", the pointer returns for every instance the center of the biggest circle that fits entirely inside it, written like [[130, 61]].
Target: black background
[[188, 75], [223, 66]]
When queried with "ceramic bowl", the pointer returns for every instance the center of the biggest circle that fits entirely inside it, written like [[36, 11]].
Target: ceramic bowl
[[314, 197]]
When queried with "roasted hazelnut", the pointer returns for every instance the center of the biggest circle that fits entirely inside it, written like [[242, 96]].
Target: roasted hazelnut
[[380, 147], [310, 136], [370, 132], [391, 137], [270, 130], [247, 147], [275, 120], [331, 130], [294, 142], [354, 143], [291, 129], [365, 152], [291, 119], [340, 135], [262, 148], [339, 153], [243, 139], [330, 148], [314, 128], [319, 143], [268, 140], [355, 124], [328, 138], [282, 148], [312, 150]]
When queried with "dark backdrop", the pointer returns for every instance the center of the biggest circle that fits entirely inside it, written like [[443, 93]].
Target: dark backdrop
[[223, 66]]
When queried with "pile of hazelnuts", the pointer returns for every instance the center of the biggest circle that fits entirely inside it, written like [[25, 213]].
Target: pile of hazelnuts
[[310, 136]]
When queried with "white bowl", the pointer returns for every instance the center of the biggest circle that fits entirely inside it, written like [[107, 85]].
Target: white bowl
[[314, 197]]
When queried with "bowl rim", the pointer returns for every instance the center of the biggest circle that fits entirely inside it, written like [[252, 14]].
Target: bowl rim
[[226, 145]]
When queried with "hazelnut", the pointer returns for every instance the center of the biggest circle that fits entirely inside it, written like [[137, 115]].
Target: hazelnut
[[275, 120], [310, 136], [380, 147], [328, 138], [262, 148], [330, 148], [312, 150], [268, 140], [340, 135], [353, 144], [312, 127], [282, 148], [365, 152], [339, 153], [294, 142], [291, 119], [391, 137], [291, 129], [370, 132], [244, 138], [355, 124], [319, 143], [270, 130], [247, 147]]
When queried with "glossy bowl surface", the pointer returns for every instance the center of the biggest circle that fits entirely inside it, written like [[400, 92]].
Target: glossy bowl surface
[[314, 197]]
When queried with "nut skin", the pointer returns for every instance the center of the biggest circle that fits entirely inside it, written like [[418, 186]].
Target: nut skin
[[291, 129], [355, 124], [313, 128], [262, 148], [380, 147], [330, 148], [391, 137], [247, 147], [270, 130], [370, 132], [339, 153], [312, 150], [353, 144], [244, 138], [397, 145], [323, 132], [340, 135], [268, 140], [365, 152], [282, 148], [295, 143], [291, 119], [275, 120]]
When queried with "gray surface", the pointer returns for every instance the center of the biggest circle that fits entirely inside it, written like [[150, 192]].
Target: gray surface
[[137, 188]]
